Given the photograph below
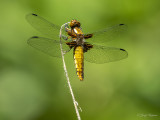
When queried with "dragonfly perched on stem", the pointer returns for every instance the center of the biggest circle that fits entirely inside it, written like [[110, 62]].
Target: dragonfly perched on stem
[[85, 46]]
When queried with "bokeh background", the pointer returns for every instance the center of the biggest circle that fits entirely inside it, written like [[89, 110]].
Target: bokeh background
[[33, 84]]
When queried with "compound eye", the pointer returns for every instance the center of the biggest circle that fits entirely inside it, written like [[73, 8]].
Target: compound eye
[[78, 24], [74, 23]]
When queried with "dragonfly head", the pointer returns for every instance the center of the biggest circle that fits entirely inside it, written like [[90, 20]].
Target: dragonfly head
[[74, 23]]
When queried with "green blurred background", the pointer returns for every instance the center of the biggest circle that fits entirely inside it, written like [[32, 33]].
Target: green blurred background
[[33, 84]]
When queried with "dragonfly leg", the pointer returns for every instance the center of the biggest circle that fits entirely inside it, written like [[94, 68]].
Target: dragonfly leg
[[64, 37], [64, 52], [67, 28]]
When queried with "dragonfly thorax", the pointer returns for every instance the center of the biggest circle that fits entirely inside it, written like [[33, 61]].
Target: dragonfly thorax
[[80, 41]]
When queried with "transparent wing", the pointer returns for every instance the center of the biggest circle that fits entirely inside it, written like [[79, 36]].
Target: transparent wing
[[48, 46], [43, 26], [107, 34], [102, 54]]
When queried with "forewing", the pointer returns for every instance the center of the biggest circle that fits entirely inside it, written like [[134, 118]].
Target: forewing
[[48, 46], [107, 34], [43, 26], [102, 54]]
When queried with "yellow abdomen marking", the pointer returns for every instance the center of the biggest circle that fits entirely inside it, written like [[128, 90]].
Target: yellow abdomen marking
[[79, 61]]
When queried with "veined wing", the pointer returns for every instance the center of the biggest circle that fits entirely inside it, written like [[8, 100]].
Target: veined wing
[[43, 26], [103, 54], [48, 46], [107, 34]]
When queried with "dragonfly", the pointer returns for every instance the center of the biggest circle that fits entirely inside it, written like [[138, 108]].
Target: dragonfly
[[91, 47]]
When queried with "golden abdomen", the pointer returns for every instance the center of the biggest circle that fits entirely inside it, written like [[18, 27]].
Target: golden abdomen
[[79, 61]]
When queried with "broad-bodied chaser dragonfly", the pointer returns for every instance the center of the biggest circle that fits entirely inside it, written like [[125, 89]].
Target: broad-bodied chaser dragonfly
[[73, 37]]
